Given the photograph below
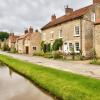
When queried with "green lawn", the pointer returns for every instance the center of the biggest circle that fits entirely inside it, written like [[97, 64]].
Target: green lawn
[[65, 85]]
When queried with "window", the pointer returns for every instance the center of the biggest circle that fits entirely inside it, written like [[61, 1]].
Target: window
[[60, 34], [76, 31], [44, 36], [93, 16], [70, 47], [77, 47], [34, 48], [52, 35]]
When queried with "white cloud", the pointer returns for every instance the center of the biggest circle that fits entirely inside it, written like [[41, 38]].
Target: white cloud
[[16, 15]]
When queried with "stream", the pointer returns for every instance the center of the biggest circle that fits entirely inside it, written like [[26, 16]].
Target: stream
[[15, 87]]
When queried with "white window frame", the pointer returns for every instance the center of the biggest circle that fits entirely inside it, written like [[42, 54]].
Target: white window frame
[[69, 47], [60, 34], [75, 47], [75, 30]]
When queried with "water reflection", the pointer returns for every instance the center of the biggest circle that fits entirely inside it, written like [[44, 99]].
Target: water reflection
[[15, 87]]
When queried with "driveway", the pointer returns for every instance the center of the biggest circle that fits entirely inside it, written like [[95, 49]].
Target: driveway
[[81, 67]]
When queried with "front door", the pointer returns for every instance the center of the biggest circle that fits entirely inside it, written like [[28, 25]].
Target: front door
[[66, 47], [27, 50]]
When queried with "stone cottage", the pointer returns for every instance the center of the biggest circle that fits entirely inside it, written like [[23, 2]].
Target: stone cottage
[[75, 28], [97, 37], [11, 41], [29, 42]]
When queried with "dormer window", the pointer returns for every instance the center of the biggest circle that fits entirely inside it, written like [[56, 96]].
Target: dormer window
[[60, 34], [77, 31]]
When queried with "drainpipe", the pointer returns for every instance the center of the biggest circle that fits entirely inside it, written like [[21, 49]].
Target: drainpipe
[[81, 34]]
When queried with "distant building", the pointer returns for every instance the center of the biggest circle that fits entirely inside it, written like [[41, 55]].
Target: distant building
[[76, 28], [29, 42], [12, 40]]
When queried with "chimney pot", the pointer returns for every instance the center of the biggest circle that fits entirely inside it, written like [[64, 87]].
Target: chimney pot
[[30, 30], [68, 10]]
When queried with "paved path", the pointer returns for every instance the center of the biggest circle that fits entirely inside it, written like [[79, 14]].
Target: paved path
[[76, 67]]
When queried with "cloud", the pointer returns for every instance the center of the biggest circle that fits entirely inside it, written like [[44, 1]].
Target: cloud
[[16, 15]]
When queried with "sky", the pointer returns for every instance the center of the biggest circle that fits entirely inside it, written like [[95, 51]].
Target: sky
[[17, 15]]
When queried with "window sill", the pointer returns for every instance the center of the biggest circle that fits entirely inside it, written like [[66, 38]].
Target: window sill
[[76, 35], [60, 37]]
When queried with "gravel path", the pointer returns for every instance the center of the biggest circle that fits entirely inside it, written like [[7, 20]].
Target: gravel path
[[79, 67]]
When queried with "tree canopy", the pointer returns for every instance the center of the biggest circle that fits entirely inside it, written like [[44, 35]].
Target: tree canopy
[[4, 35]]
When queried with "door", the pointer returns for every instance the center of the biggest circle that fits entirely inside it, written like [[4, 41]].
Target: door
[[66, 47], [27, 50]]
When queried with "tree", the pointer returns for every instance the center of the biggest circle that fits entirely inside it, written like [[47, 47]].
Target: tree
[[3, 36], [57, 44]]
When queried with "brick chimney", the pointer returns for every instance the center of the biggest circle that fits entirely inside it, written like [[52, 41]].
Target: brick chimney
[[26, 31], [11, 34], [53, 17], [96, 1], [68, 10], [30, 30]]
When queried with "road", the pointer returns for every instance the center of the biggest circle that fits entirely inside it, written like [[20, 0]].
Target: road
[[79, 67]]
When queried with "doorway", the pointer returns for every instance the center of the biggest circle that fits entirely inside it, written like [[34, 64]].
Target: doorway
[[27, 50], [66, 47]]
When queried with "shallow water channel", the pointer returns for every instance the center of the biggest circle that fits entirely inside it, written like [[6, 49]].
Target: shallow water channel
[[16, 87]]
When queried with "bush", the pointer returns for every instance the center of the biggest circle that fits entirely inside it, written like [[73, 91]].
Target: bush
[[57, 55], [57, 44], [5, 47], [13, 50], [48, 55], [38, 53]]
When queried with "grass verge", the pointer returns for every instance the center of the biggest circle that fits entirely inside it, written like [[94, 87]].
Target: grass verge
[[65, 85]]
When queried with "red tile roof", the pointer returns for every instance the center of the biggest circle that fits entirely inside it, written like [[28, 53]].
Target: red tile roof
[[75, 14], [13, 38], [24, 36]]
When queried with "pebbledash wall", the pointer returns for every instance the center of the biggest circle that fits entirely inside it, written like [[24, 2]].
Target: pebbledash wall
[[86, 36]]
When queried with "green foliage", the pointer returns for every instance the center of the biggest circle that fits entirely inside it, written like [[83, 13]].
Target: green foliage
[[3, 35], [5, 47], [38, 53], [13, 50], [65, 85], [57, 55], [48, 47], [57, 44], [45, 47]]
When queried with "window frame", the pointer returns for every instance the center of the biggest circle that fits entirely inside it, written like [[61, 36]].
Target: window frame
[[75, 30], [60, 32], [76, 51]]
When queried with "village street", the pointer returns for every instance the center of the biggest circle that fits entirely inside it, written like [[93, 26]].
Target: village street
[[79, 67]]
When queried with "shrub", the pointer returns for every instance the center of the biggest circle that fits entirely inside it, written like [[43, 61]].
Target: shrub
[[57, 44], [13, 50], [48, 55], [57, 55], [38, 53], [5, 47]]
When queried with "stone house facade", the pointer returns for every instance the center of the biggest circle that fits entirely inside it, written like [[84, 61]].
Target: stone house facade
[[11, 41], [29, 42], [97, 37], [76, 28]]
